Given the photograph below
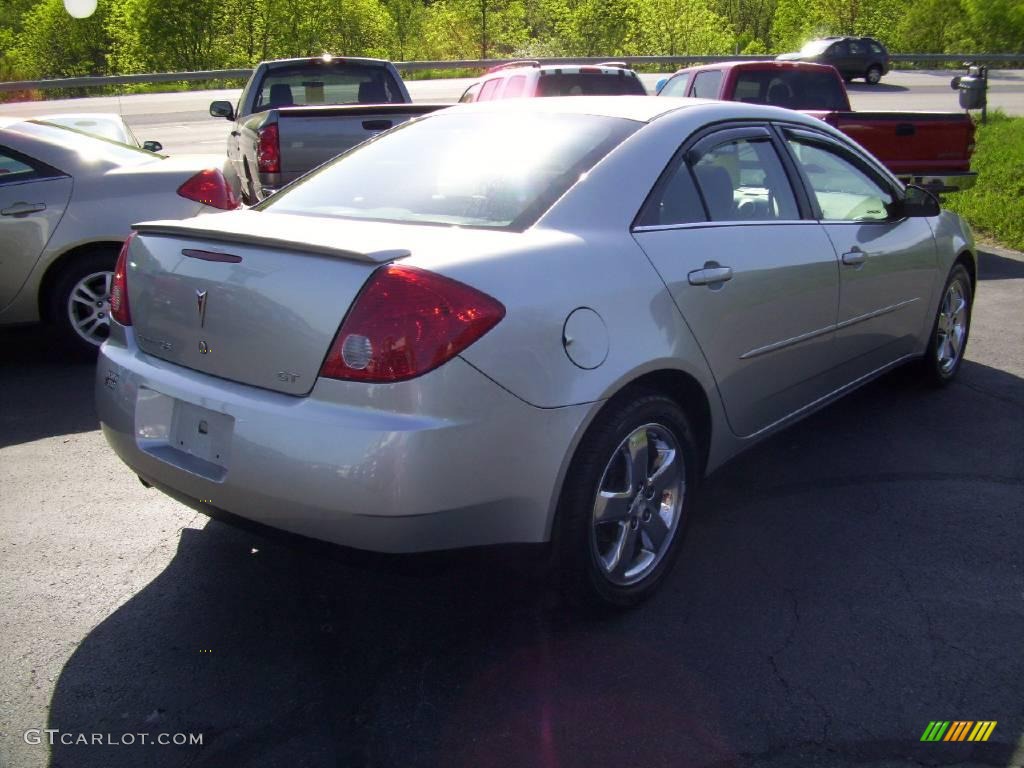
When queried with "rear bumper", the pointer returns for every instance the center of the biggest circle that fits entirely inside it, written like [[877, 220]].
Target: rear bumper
[[941, 182], [444, 461]]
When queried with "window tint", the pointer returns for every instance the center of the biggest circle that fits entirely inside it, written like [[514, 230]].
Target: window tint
[[792, 89], [617, 83], [839, 49], [493, 170], [339, 83], [706, 84], [676, 86], [13, 169], [875, 47], [514, 87], [675, 200], [487, 92], [856, 48], [744, 180], [844, 192], [470, 95]]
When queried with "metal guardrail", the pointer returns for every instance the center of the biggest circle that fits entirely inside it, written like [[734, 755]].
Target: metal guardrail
[[413, 66]]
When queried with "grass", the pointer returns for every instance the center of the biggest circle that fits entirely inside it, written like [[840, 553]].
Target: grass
[[995, 206]]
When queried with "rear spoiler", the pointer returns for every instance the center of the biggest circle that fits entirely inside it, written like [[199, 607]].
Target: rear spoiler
[[289, 232]]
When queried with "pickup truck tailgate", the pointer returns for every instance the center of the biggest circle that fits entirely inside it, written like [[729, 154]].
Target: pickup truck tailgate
[[912, 142], [310, 136], [227, 295]]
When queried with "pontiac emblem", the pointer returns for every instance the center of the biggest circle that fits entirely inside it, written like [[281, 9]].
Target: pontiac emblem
[[201, 307]]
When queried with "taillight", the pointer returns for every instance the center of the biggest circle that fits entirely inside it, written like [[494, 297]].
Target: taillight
[[268, 149], [405, 322], [209, 187], [119, 309]]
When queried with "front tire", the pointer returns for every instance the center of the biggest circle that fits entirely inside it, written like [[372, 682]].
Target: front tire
[[873, 75], [626, 502], [80, 301], [950, 330]]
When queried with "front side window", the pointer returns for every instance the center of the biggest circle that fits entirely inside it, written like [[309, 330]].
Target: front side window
[[676, 86], [487, 92], [743, 180], [338, 83], [706, 84], [470, 95], [856, 49], [843, 191], [492, 170]]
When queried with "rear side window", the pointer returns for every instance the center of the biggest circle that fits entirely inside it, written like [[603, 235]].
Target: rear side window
[[13, 169], [743, 180], [676, 86], [706, 85], [675, 201], [487, 92], [876, 48], [514, 87], [324, 83], [618, 83]]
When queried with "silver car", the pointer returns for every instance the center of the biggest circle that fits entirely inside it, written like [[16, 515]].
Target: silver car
[[538, 321], [67, 202]]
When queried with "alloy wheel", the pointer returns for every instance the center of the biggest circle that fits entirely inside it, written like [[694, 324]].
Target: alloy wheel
[[951, 328], [89, 307], [637, 509]]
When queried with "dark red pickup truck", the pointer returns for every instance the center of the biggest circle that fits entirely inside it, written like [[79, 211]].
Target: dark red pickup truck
[[930, 149]]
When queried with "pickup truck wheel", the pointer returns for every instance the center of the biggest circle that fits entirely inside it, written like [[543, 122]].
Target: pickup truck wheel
[[874, 74]]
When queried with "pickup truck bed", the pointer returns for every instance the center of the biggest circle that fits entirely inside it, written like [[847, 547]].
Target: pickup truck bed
[[930, 149]]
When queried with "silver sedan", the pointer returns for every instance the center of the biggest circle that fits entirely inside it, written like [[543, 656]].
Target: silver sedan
[[67, 202], [537, 321]]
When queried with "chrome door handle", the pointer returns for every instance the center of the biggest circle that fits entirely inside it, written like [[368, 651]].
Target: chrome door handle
[[710, 275], [20, 209], [854, 258]]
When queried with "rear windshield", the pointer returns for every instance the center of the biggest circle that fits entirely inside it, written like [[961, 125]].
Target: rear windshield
[[326, 83], [619, 83], [790, 89], [88, 147], [494, 170], [815, 47]]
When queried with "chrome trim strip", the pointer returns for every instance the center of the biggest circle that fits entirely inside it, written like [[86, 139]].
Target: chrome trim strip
[[786, 342], [875, 313], [821, 331], [715, 224]]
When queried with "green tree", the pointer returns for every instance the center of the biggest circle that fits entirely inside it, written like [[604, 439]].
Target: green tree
[[674, 27], [51, 43]]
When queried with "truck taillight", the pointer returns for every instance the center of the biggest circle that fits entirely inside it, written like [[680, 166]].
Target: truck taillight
[[119, 309], [268, 149], [209, 187], [406, 322]]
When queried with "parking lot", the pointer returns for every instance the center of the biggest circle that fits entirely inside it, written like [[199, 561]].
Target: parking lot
[[842, 585]]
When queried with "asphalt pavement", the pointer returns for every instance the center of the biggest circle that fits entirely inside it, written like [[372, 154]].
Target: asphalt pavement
[[182, 122], [842, 585]]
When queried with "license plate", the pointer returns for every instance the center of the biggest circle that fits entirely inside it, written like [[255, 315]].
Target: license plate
[[181, 432], [201, 432]]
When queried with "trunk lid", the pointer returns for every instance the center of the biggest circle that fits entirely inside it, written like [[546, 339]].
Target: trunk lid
[[249, 296]]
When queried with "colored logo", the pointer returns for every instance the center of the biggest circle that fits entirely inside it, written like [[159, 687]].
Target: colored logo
[[958, 730]]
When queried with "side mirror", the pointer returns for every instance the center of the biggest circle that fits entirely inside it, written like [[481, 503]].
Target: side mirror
[[919, 203], [660, 85], [152, 146], [222, 109]]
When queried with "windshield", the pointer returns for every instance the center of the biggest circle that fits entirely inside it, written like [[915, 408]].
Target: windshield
[[495, 170], [815, 47], [89, 147], [324, 83]]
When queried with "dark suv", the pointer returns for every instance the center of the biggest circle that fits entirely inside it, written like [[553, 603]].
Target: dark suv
[[852, 56]]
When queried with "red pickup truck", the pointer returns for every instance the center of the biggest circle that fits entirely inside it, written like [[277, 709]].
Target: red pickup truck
[[930, 149]]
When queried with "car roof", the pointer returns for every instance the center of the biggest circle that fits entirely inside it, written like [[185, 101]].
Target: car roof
[[325, 58]]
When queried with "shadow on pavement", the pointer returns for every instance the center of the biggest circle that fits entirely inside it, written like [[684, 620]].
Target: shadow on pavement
[[46, 390], [842, 585], [882, 87], [992, 266]]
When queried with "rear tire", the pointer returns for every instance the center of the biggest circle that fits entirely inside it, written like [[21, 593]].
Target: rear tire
[[80, 301], [873, 75], [626, 502], [950, 330]]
